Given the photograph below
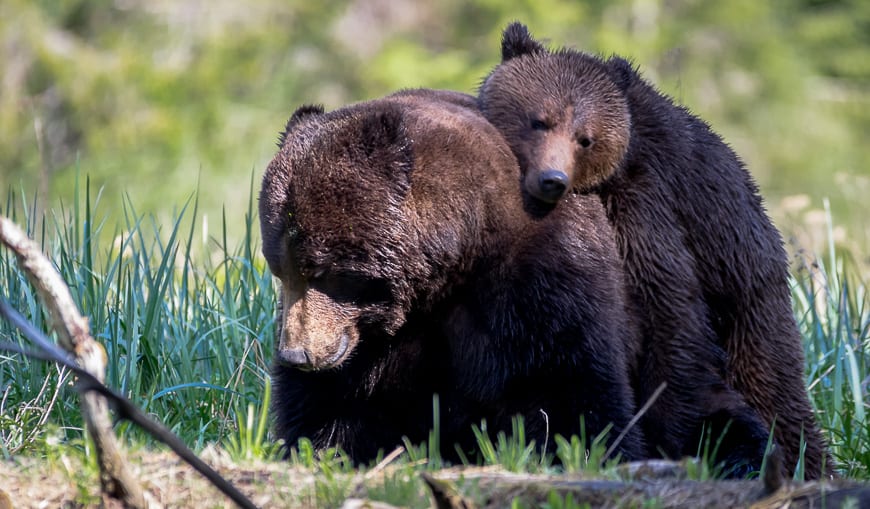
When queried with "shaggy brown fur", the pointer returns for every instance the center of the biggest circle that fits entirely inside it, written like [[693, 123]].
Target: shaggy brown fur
[[410, 266], [704, 264]]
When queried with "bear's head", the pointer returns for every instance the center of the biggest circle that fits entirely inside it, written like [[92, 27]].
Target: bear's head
[[354, 244], [335, 232], [564, 114]]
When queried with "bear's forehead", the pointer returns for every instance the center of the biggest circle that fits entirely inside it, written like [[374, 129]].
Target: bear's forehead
[[351, 247], [328, 208], [343, 217], [562, 74]]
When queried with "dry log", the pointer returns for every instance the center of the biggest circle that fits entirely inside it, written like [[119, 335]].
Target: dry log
[[494, 490]]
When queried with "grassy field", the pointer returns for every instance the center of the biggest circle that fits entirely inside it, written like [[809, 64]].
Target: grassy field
[[187, 319]]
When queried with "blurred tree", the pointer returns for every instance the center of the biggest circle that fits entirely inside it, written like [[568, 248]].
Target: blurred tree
[[159, 98]]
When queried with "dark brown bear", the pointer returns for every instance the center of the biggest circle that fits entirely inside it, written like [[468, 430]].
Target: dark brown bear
[[703, 262], [409, 267]]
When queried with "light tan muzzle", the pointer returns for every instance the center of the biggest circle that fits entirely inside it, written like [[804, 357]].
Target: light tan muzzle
[[549, 180], [316, 332]]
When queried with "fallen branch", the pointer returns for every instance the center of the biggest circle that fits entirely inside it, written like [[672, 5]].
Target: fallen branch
[[493, 490]]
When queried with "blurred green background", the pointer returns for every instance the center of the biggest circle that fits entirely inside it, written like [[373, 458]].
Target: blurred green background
[[156, 99]]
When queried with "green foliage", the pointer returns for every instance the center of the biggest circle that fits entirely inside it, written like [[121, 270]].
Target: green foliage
[[708, 465], [429, 452], [251, 440], [579, 454], [332, 485], [176, 96], [511, 452], [567, 501], [833, 314], [331, 468], [400, 487], [184, 342]]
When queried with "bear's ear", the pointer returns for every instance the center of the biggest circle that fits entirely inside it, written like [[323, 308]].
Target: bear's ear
[[385, 143], [516, 41], [303, 111], [383, 128], [621, 72]]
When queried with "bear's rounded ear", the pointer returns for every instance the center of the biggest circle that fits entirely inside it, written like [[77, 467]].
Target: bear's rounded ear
[[384, 138], [306, 110], [516, 41], [383, 128], [621, 72]]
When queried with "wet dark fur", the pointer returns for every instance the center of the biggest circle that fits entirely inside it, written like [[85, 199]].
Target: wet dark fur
[[703, 262], [418, 190]]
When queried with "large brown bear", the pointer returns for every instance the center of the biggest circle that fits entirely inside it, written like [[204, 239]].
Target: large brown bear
[[410, 267], [703, 262]]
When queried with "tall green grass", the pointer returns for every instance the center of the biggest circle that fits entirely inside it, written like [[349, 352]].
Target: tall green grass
[[831, 305], [187, 334], [188, 326]]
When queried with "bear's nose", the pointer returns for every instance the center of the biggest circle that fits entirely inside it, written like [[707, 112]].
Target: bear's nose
[[294, 357], [552, 184]]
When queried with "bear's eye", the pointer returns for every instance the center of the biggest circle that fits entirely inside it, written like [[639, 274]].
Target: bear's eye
[[277, 259], [353, 288], [585, 142], [539, 125]]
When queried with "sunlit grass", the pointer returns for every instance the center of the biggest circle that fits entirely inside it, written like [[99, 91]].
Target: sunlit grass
[[831, 305], [186, 338]]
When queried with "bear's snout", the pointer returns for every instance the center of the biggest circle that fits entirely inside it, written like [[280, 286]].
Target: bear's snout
[[551, 186], [317, 332], [305, 360]]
